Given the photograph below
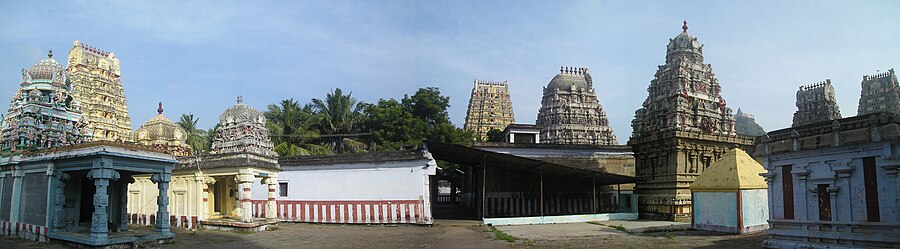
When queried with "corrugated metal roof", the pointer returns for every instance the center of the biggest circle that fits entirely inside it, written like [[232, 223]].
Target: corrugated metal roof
[[735, 170]]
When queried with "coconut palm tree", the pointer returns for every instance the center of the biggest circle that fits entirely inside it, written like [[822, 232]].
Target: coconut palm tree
[[340, 116], [290, 128], [196, 138]]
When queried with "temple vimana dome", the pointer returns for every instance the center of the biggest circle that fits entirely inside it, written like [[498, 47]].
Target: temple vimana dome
[[242, 129], [684, 94], [43, 113], [570, 112], [96, 82], [161, 133]]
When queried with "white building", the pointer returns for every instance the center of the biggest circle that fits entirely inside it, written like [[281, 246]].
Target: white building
[[368, 188]]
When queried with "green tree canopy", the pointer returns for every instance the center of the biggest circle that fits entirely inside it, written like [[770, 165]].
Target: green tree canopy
[[340, 116], [423, 115], [495, 135], [196, 138], [289, 127]]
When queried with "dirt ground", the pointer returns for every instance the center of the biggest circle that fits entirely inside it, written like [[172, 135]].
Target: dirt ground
[[444, 234]]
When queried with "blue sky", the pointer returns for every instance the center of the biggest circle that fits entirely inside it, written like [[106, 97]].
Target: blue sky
[[196, 57]]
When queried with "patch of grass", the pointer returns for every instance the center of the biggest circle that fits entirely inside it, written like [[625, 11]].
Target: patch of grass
[[244, 232], [530, 243], [620, 228], [193, 233], [500, 235], [271, 228], [670, 235]]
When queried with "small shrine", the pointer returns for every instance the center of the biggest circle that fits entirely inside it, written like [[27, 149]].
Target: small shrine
[[214, 191], [77, 194], [730, 196]]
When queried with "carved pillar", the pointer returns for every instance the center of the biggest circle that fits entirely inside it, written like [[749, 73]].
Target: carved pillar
[[162, 202], [100, 219], [123, 218], [244, 179], [271, 206], [59, 200]]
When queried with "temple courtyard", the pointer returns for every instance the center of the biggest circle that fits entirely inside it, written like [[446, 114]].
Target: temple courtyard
[[450, 234]]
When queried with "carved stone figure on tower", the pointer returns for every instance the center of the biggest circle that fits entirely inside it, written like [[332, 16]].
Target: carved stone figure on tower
[[570, 112], [42, 113], [489, 108], [96, 83]]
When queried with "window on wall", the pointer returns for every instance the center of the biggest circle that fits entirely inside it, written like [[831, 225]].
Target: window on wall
[[282, 189]]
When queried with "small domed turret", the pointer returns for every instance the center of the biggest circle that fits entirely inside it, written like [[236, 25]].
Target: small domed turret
[[242, 129], [161, 133]]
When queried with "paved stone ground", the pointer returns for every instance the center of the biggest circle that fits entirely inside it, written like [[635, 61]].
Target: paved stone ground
[[582, 235], [444, 234]]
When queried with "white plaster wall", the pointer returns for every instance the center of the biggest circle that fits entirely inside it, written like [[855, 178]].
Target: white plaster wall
[[755, 207], [353, 182], [715, 208]]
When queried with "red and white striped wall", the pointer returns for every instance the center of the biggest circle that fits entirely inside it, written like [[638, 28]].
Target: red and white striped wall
[[189, 222], [25, 231], [347, 212]]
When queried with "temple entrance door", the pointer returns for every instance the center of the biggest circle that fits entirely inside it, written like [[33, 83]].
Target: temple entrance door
[[217, 197], [86, 205]]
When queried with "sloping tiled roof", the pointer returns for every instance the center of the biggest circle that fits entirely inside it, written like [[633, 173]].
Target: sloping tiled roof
[[227, 160], [736, 170]]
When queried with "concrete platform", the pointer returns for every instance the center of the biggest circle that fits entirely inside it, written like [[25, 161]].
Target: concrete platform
[[597, 228], [558, 231], [646, 226]]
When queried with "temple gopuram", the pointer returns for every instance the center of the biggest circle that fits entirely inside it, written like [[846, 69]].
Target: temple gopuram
[[682, 127], [161, 133], [43, 113], [816, 103], [570, 112], [880, 93], [95, 78], [489, 108]]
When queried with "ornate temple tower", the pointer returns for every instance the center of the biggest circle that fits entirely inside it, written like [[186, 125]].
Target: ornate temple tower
[[570, 112], [489, 108], [880, 93], [94, 74], [43, 113], [816, 103], [161, 133], [242, 129], [681, 128]]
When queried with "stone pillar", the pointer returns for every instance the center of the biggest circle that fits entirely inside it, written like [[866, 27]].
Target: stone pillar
[[59, 201], [16, 197], [123, 219], [244, 179], [204, 206], [271, 207], [100, 219], [162, 202]]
